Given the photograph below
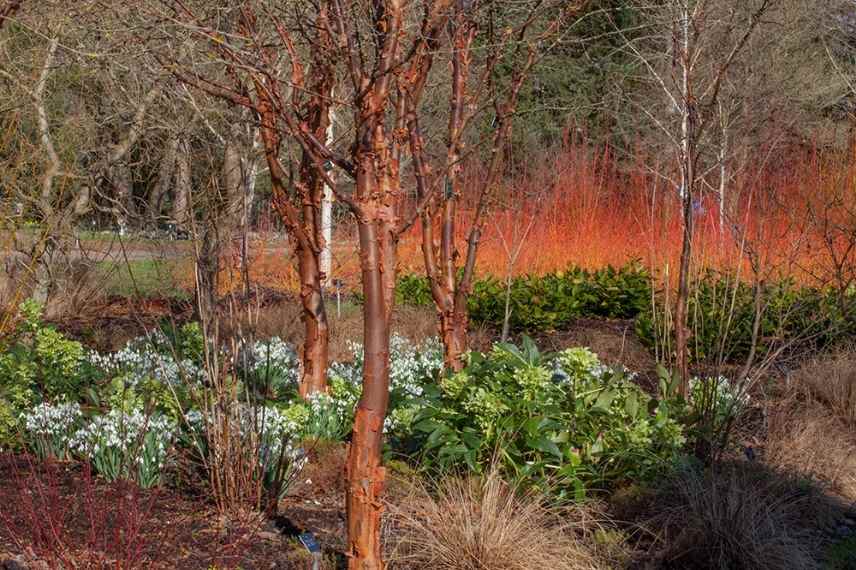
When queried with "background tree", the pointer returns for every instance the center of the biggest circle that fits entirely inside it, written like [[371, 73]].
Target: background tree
[[687, 56], [256, 79]]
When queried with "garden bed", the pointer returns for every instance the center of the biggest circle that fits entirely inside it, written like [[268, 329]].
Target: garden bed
[[62, 513]]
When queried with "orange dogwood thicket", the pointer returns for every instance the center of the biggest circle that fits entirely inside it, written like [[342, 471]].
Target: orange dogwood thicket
[[592, 209]]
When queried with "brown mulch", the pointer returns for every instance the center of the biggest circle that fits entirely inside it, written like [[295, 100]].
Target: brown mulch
[[58, 515], [107, 324], [316, 500]]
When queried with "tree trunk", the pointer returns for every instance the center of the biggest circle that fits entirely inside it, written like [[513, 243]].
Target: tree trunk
[[309, 250], [250, 168], [119, 177], [681, 304], [208, 269], [449, 296], [53, 167], [165, 175], [233, 180], [723, 167], [453, 332], [327, 216], [180, 214], [315, 344], [365, 474], [688, 180], [83, 201]]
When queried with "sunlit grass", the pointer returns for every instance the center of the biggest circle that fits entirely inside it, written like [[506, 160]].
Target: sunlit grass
[[162, 278]]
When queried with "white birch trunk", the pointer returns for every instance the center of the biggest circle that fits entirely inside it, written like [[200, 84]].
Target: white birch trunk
[[326, 258]]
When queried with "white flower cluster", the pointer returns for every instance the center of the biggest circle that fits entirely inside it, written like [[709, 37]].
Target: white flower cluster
[[195, 420], [329, 415], [121, 432], [351, 372], [730, 398], [268, 423], [410, 365], [273, 364], [275, 433], [275, 353], [52, 420], [398, 418], [599, 370], [50, 428], [140, 360]]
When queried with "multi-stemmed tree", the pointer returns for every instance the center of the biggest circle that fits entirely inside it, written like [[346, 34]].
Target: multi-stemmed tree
[[484, 84], [282, 64]]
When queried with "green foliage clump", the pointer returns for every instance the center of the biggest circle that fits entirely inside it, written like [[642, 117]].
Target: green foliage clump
[[722, 314], [568, 422], [38, 364], [548, 302], [39, 356], [413, 289]]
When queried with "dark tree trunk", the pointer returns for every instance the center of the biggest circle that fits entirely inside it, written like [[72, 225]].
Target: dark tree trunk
[[208, 269], [165, 176], [682, 302], [181, 200]]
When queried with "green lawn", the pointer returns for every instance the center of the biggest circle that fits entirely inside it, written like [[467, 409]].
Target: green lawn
[[144, 278]]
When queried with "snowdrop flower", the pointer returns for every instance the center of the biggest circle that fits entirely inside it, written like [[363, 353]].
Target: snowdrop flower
[[140, 359], [410, 366], [47, 419], [50, 428], [132, 436], [728, 396]]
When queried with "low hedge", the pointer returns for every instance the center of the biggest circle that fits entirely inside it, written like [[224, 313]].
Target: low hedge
[[804, 316], [807, 318], [548, 302]]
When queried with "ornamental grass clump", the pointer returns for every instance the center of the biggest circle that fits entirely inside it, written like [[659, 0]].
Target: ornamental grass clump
[[830, 378], [483, 523], [50, 429], [737, 516]]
